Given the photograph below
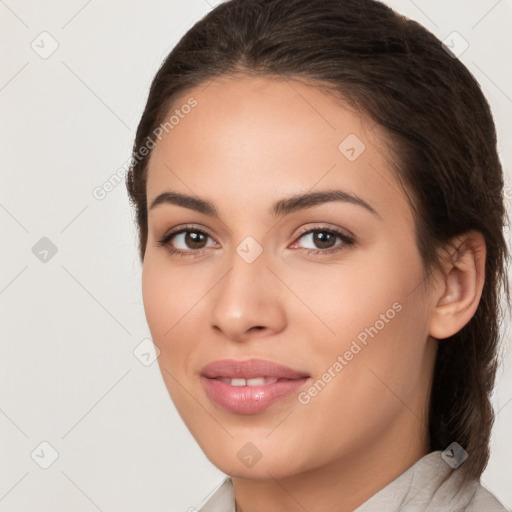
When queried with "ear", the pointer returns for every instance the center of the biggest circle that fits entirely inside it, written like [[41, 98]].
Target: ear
[[457, 294]]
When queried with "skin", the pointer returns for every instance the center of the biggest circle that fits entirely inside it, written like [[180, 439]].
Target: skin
[[248, 143]]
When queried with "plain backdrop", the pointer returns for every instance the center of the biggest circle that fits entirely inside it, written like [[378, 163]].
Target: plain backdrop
[[77, 393]]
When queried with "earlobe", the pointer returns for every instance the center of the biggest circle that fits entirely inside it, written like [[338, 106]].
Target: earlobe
[[457, 296]]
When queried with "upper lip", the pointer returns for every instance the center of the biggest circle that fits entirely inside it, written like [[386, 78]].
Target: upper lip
[[250, 369]]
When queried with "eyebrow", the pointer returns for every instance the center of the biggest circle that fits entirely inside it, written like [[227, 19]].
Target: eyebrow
[[279, 208]]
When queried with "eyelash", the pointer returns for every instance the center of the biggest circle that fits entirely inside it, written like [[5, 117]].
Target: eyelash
[[164, 242]]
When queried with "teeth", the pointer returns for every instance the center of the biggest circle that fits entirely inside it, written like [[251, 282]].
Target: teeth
[[257, 381]]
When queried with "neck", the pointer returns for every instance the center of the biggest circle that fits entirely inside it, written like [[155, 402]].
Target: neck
[[343, 484]]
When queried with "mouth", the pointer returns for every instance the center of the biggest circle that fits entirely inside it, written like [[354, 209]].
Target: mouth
[[250, 387], [256, 381], [250, 370]]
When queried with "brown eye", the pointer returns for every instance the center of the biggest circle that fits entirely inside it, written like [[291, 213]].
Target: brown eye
[[186, 241], [323, 240], [194, 239]]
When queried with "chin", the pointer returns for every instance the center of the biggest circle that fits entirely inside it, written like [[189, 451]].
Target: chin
[[246, 459]]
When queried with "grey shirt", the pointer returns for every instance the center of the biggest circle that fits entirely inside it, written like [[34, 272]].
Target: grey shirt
[[430, 485]]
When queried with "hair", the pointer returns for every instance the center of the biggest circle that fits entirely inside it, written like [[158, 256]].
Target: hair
[[438, 126]]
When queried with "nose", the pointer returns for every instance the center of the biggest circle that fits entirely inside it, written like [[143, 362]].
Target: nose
[[248, 302]]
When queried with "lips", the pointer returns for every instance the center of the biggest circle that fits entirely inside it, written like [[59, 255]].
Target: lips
[[250, 369], [250, 387]]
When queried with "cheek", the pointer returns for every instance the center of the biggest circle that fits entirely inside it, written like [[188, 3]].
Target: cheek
[[157, 298], [352, 295], [377, 320], [171, 304], [168, 295], [372, 381]]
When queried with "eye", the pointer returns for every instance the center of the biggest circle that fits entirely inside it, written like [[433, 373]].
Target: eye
[[324, 240], [185, 241]]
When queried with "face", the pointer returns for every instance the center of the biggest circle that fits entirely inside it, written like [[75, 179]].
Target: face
[[330, 287]]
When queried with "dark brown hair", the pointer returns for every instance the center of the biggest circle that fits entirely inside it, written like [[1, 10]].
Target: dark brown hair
[[439, 127]]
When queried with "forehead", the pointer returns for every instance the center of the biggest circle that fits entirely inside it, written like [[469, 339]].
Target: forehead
[[255, 139]]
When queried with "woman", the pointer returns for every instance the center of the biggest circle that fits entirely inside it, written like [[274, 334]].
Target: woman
[[320, 210]]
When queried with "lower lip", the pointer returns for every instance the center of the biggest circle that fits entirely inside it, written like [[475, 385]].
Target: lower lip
[[249, 399]]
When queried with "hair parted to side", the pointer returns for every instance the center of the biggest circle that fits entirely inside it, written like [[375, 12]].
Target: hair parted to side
[[440, 130]]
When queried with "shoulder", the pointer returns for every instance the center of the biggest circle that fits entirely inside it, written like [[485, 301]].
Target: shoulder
[[483, 499], [432, 485]]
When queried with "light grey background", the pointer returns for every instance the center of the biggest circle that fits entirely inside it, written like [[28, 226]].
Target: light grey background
[[70, 325]]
